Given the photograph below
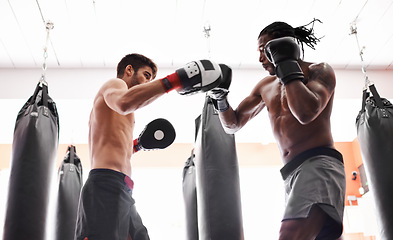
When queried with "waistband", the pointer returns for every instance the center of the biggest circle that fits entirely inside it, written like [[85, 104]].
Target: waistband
[[300, 158], [116, 174]]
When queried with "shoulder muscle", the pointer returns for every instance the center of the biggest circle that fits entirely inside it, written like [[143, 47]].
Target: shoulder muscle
[[323, 74]]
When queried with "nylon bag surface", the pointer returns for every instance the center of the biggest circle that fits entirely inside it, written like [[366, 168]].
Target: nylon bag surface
[[34, 149], [375, 135], [70, 185]]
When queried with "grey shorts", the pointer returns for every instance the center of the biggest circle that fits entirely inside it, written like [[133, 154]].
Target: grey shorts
[[316, 177]]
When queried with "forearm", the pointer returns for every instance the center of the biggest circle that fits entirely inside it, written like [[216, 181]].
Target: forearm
[[303, 103], [229, 120]]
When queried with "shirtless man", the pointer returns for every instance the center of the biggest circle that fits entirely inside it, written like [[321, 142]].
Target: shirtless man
[[106, 208], [298, 96]]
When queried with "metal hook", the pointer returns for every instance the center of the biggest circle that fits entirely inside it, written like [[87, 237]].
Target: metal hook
[[49, 25], [206, 30], [43, 81]]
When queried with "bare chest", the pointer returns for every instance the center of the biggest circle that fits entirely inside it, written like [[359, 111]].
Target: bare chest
[[275, 98]]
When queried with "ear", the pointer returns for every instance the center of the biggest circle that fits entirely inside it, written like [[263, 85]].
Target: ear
[[129, 70]]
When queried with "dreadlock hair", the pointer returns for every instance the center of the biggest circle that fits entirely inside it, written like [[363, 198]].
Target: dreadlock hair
[[302, 34]]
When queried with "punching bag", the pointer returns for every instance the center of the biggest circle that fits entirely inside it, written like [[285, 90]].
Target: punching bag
[[190, 198], [217, 180], [375, 134], [70, 184], [189, 192], [34, 150]]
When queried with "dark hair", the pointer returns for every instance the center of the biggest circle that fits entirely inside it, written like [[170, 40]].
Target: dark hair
[[302, 34], [136, 61]]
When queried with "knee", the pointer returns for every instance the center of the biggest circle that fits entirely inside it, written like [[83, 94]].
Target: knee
[[288, 235], [294, 230], [288, 232]]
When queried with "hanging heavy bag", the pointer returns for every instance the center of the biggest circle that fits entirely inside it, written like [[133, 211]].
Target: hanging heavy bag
[[190, 199], [70, 184], [375, 134], [189, 192], [34, 150], [217, 180]]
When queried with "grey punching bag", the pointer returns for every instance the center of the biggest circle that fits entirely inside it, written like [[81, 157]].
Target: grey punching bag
[[375, 135], [34, 150], [70, 184], [190, 194], [190, 199], [217, 180]]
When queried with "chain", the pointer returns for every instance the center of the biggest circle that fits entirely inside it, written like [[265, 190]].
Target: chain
[[49, 26], [354, 31]]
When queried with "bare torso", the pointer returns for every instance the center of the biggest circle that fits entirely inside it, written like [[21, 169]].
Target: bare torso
[[110, 137], [292, 136], [299, 112]]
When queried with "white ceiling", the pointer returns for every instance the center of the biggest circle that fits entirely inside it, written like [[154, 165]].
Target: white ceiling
[[90, 37], [97, 33]]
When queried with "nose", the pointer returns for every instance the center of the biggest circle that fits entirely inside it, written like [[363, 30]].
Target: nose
[[261, 56]]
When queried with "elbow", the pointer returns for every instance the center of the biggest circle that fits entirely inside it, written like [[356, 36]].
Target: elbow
[[304, 120], [307, 113], [230, 129], [307, 117]]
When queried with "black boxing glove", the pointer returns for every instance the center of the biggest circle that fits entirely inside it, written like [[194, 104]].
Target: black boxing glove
[[284, 53], [218, 95], [158, 134]]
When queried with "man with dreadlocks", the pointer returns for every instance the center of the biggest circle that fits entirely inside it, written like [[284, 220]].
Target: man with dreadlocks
[[298, 96]]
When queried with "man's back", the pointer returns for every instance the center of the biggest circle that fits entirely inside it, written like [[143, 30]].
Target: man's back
[[110, 136]]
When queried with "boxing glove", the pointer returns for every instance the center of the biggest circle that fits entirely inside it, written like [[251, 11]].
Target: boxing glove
[[218, 95], [284, 53], [158, 134], [194, 77]]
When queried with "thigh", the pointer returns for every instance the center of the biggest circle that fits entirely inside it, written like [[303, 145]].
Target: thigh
[[137, 231], [102, 212], [304, 228]]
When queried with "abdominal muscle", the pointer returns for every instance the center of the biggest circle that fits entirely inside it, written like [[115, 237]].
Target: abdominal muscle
[[294, 138]]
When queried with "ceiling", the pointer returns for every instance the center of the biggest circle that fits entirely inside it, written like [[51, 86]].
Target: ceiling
[[97, 33]]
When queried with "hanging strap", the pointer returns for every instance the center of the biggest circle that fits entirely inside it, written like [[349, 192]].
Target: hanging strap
[[72, 152], [377, 98], [44, 95], [35, 94]]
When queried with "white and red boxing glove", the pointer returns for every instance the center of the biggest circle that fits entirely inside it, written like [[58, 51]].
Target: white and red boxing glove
[[194, 77], [158, 134]]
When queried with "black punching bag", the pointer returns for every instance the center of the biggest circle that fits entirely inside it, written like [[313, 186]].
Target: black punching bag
[[34, 150], [375, 134], [70, 184], [217, 180], [190, 193], [190, 199]]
